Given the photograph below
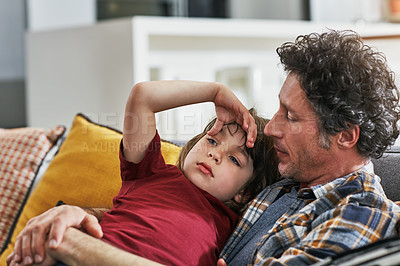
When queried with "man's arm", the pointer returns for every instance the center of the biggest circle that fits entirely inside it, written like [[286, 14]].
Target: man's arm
[[50, 226], [78, 248]]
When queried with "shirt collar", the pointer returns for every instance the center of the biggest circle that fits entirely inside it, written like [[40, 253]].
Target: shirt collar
[[320, 190]]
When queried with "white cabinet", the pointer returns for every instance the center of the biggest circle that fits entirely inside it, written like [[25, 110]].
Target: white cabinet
[[92, 69]]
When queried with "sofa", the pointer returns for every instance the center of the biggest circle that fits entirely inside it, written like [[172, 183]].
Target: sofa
[[80, 166], [388, 168]]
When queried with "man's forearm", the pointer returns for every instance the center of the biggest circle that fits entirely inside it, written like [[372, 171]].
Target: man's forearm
[[78, 248]]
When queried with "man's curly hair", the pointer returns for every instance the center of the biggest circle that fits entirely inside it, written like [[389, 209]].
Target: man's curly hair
[[347, 83]]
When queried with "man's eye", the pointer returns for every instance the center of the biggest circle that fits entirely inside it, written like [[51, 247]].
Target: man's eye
[[288, 118], [212, 142], [234, 160]]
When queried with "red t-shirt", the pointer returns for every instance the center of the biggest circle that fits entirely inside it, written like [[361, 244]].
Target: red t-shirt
[[160, 215]]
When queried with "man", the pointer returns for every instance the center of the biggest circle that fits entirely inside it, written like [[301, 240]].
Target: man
[[338, 108]]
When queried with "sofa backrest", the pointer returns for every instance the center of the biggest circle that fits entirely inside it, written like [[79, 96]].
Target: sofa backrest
[[388, 168]]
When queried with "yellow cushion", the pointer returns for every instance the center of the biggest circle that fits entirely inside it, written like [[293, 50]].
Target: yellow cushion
[[85, 172]]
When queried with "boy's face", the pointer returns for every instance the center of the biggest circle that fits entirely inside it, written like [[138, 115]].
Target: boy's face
[[219, 164]]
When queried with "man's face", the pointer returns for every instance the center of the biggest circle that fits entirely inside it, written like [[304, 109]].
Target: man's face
[[297, 138]]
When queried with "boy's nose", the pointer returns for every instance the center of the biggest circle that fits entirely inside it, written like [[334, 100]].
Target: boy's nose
[[216, 155]]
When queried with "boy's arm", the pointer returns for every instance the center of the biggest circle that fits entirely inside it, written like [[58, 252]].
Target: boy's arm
[[148, 98]]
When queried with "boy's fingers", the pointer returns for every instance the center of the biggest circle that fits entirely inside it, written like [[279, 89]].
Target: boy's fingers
[[18, 250], [27, 257], [216, 128], [37, 245], [250, 127], [221, 262], [9, 258], [56, 234], [92, 226]]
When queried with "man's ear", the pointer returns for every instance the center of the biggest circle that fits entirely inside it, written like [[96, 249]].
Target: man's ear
[[240, 197], [348, 138]]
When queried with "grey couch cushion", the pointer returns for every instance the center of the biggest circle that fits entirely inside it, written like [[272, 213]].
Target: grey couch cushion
[[388, 168]]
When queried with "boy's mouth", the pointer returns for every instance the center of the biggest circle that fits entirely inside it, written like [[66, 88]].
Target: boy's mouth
[[205, 168]]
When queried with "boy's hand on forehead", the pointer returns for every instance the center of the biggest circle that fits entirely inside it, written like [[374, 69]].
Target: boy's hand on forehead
[[247, 124], [228, 109]]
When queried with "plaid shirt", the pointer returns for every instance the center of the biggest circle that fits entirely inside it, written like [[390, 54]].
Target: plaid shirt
[[324, 220]]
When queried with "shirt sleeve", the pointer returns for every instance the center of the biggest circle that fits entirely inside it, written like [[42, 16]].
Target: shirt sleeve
[[344, 228], [151, 163]]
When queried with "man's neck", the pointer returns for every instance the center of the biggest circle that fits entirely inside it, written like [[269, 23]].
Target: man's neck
[[339, 169]]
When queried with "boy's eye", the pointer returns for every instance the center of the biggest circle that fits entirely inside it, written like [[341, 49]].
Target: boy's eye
[[234, 160], [212, 142]]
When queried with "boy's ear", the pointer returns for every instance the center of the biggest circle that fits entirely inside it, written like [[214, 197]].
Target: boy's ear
[[348, 138], [240, 197]]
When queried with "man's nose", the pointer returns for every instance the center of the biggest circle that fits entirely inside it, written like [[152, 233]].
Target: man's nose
[[273, 128]]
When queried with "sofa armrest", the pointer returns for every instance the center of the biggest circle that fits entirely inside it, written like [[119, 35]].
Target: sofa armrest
[[388, 168]]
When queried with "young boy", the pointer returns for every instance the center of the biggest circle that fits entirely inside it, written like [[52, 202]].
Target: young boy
[[179, 215], [182, 215]]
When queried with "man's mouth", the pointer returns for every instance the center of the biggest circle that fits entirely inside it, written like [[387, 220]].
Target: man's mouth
[[205, 168], [280, 152]]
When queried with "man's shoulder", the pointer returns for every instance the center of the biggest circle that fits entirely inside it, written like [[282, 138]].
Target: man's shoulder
[[360, 187], [363, 188]]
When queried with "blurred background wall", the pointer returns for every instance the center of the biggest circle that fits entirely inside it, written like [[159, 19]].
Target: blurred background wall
[[19, 16], [12, 73]]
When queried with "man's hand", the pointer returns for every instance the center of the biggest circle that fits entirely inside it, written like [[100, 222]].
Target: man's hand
[[229, 109], [78, 248], [49, 227]]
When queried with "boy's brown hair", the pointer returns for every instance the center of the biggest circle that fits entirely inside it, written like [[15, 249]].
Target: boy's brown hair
[[265, 161]]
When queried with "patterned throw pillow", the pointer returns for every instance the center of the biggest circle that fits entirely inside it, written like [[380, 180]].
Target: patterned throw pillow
[[21, 153]]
